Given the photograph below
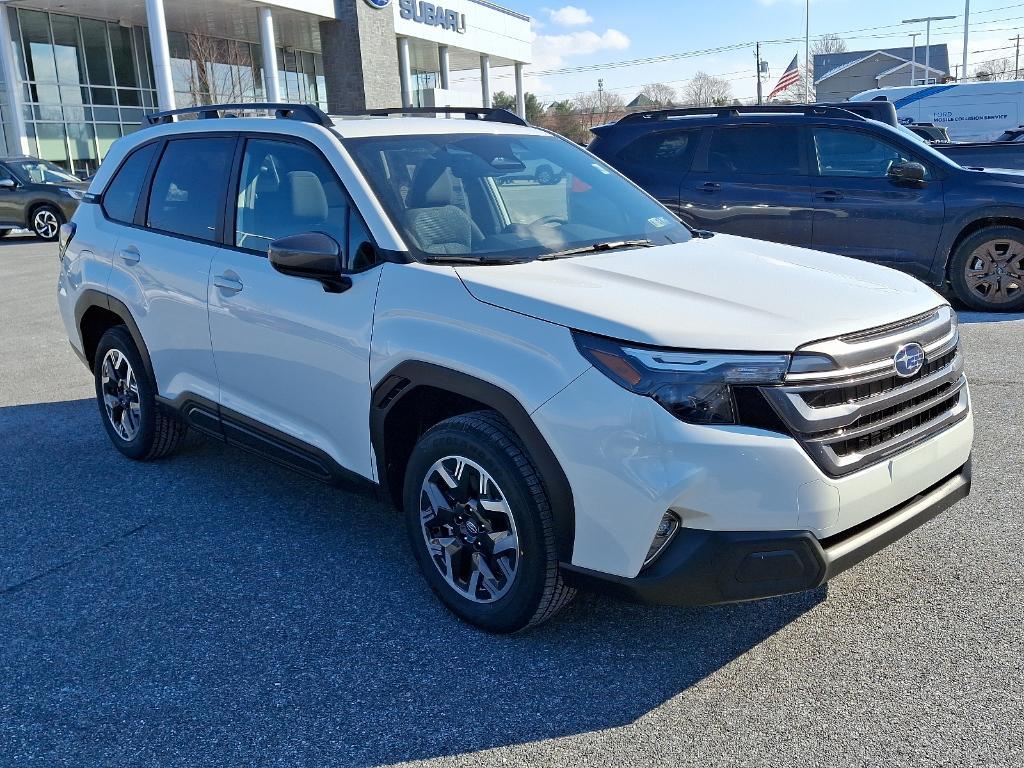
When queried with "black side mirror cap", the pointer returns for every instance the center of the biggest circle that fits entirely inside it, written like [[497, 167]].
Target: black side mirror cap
[[912, 172], [311, 255]]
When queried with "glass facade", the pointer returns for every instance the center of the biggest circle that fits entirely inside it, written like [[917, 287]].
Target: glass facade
[[87, 82]]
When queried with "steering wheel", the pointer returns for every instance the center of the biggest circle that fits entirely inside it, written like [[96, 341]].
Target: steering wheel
[[548, 221]]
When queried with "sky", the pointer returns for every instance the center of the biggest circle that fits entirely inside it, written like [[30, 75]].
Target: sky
[[594, 32]]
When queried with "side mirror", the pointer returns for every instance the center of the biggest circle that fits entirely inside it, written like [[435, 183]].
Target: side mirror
[[7, 184], [312, 255], [908, 172]]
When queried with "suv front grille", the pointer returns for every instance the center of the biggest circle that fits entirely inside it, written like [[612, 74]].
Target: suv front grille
[[859, 412]]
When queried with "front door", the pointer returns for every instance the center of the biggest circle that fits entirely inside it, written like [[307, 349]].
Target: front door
[[751, 181], [861, 212], [290, 355], [12, 203]]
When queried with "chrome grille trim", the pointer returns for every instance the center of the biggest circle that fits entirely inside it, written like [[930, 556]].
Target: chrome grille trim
[[894, 414]]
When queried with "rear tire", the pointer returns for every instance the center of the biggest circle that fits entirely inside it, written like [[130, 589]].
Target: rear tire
[[474, 502], [126, 396], [987, 270]]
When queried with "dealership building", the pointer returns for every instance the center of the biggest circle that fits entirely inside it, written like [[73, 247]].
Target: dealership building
[[78, 74]]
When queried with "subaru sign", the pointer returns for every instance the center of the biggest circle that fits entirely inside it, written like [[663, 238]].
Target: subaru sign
[[432, 15], [379, 3], [909, 360]]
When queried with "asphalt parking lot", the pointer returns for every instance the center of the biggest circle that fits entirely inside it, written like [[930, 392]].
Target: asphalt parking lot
[[212, 609]]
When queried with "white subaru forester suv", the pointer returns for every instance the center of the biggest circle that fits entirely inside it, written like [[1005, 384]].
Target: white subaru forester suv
[[559, 384]]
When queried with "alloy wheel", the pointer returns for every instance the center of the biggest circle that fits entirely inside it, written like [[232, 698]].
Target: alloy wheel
[[469, 529], [995, 271], [45, 223], [121, 395]]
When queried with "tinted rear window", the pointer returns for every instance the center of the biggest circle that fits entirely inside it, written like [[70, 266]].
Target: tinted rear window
[[187, 197], [669, 151], [755, 149], [122, 193]]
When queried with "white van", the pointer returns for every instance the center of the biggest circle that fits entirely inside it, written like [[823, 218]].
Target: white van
[[969, 111]]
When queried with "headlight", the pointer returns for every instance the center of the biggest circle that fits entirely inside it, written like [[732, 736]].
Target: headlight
[[76, 194], [694, 386]]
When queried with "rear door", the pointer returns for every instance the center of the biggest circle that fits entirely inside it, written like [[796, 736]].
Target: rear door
[[659, 161], [751, 180], [161, 262], [861, 212]]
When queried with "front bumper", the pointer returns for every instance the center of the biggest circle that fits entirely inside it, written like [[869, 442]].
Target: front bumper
[[701, 567]]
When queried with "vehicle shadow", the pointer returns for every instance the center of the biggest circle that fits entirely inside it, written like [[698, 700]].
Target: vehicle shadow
[[215, 607]]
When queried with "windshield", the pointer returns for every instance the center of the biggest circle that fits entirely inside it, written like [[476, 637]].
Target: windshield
[[41, 172], [505, 197]]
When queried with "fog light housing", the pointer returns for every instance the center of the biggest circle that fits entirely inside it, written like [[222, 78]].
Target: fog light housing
[[667, 529]]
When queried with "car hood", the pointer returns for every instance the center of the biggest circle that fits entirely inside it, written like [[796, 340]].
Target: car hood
[[727, 293]]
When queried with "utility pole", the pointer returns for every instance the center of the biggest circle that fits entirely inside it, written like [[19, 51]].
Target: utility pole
[[1016, 59], [928, 39], [757, 56], [807, 51], [967, 15], [913, 56]]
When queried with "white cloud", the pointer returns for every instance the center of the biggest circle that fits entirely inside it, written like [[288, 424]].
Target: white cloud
[[551, 50], [570, 16]]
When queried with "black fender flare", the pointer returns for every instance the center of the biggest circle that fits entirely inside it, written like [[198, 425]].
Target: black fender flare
[[90, 298], [999, 215], [407, 376]]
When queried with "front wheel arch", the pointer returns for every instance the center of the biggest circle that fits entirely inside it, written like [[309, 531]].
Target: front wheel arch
[[417, 387]]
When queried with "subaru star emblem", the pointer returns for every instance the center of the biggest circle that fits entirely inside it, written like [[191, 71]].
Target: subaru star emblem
[[909, 359], [379, 3]]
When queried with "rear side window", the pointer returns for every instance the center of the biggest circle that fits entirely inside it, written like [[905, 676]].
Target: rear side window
[[668, 151], [755, 149], [187, 197], [122, 195]]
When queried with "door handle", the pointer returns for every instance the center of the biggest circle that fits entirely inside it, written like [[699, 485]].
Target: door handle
[[226, 283], [710, 186], [831, 196], [129, 255]]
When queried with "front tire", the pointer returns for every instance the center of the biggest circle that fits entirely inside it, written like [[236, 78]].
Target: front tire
[[126, 396], [45, 222], [987, 270], [480, 524]]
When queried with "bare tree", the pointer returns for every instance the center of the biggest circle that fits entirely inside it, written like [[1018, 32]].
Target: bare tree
[[996, 69], [597, 107], [705, 90], [220, 71], [829, 43], [659, 93]]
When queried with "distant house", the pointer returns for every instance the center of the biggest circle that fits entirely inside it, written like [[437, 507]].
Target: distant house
[[643, 102], [838, 76]]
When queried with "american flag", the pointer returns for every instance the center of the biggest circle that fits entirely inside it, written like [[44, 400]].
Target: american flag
[[790, 77]]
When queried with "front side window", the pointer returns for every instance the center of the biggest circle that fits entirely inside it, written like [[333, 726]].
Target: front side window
[[505, 197], [187, 196], [852, 153], [764, 150], [286, 189], [41, 172], [122, 194]]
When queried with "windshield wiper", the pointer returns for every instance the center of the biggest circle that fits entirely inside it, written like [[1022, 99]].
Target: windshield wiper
[[468, 258], [596, 248]]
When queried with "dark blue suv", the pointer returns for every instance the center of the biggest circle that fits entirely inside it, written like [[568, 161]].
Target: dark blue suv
[[824, 178]]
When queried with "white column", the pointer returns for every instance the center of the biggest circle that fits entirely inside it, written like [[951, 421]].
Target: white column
[[161, 53], [271, 85], [17, 135], [485, 78], [404, 71], [520, 93], [445, 66]]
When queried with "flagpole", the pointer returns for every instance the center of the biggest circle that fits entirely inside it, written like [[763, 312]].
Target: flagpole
[[807, 50]]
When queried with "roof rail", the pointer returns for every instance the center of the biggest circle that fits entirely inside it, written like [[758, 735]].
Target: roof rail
[[735, 110], [490, 114], [307, 113]]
